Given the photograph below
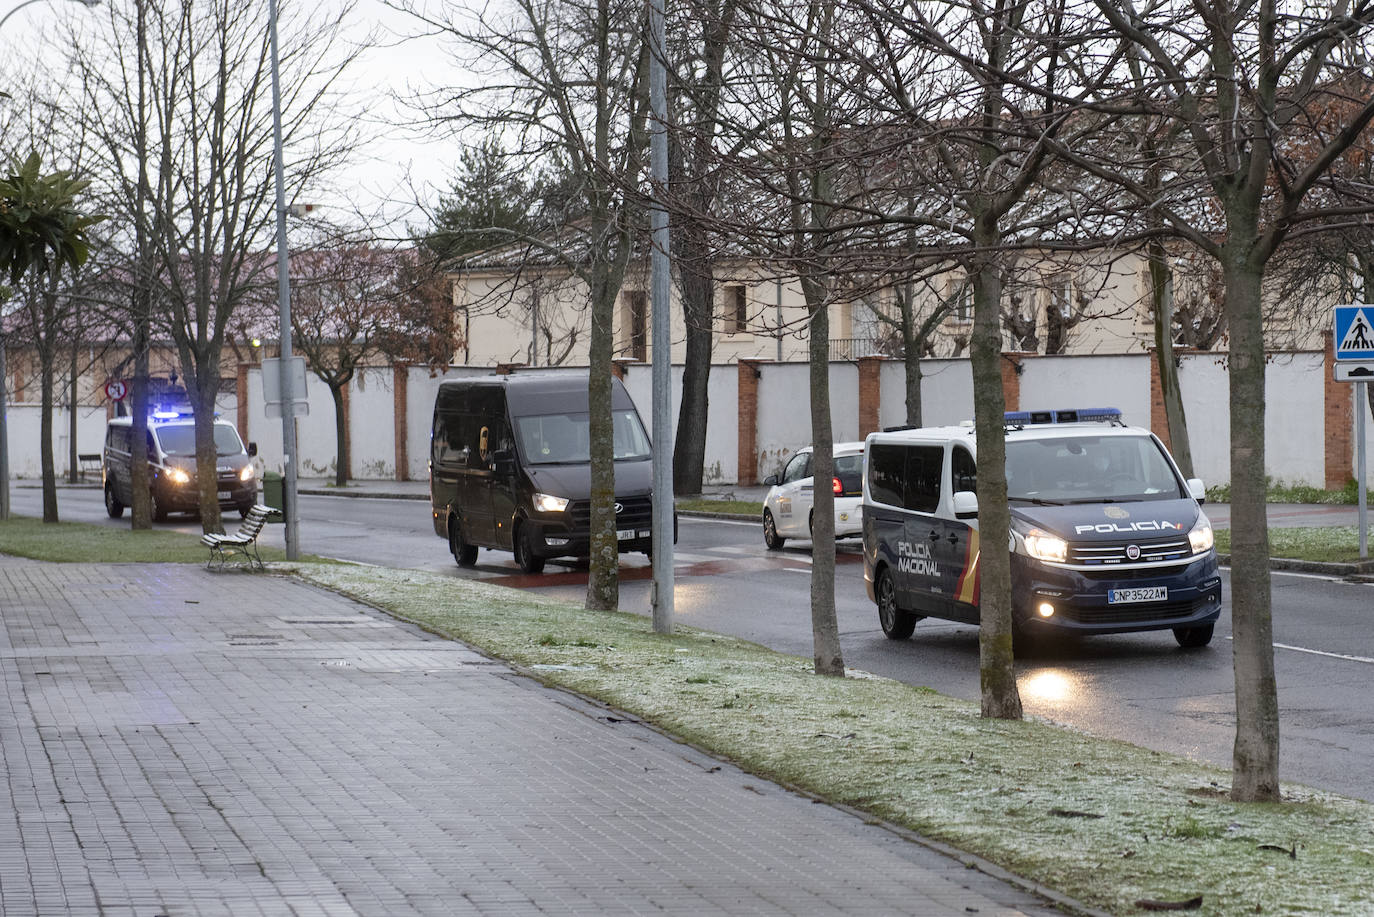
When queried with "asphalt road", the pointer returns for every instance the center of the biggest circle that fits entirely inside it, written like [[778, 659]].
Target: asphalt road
[[1141, 687]]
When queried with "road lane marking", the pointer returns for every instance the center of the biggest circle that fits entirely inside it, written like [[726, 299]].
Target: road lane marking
[[1302, 649]]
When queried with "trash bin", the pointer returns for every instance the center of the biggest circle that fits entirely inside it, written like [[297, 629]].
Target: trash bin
[[272, 493]]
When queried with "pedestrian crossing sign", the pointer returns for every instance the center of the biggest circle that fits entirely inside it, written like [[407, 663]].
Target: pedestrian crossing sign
[[1354, 332]]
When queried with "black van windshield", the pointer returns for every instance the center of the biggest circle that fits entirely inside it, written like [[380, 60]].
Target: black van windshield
[[180, 439], [1089, 469], [562, 439]]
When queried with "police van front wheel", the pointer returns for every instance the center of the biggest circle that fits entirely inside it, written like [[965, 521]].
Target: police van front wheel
[[897, 624], [1191, 638], [113, 507]]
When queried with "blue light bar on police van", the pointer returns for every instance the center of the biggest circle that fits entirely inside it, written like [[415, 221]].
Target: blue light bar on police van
[[1076, 415]]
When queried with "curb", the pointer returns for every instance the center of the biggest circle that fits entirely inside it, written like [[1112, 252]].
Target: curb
[[1364, 570]]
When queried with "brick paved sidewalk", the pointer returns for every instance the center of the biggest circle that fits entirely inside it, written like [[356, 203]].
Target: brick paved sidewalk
[[178, 742]]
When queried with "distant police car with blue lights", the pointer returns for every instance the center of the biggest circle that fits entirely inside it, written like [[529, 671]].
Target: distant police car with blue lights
[[1107, 536]]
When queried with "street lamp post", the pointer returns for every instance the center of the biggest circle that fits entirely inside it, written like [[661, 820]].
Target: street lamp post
[[4, 383], [288, 399], [6, 18]]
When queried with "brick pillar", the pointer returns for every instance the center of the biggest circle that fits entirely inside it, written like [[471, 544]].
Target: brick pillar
[[618, 368], [400, 398], [1011, 381], [748, 422], [870, 394], [1339, 418], [241, 386]]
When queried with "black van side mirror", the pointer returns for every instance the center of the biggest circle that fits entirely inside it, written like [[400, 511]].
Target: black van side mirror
[[252, 449], [503, 462]]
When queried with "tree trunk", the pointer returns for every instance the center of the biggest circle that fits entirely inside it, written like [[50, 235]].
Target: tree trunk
[[140, 515], [1255, 761], [911, 359], [45, 425], [825, 629], [603, 579], [73, 451], [202, 387], [341, 462], [996, 659], [698, 297], [1162, 296]]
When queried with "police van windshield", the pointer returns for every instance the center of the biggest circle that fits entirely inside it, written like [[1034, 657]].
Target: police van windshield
[[180, 439], [1090, 469], [563, 439]]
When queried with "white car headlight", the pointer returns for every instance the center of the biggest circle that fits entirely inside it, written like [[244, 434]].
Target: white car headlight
[[547, 503], [178, 476], [1200, 537], [247, 473], [1043, 546]]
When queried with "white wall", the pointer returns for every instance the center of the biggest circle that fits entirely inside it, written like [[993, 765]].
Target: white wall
[[24, 424], [1055, 383], [1294, 417]]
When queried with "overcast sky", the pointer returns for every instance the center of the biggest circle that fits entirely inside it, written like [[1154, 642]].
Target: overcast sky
[[401, 163]]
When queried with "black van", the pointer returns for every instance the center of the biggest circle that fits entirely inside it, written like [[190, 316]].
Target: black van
[[510, 468], [172, 466]]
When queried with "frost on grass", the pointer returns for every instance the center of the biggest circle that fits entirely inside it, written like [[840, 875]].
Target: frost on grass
[[1100, 820]]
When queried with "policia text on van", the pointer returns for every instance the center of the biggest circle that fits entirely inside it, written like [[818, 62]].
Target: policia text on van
[[1106, 535], [510, 468]]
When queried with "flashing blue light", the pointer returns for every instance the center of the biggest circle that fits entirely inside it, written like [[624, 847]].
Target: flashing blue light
[[166, 415], [1079, 415]]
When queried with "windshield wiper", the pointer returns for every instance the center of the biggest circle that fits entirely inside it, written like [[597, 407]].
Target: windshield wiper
[[1037, 501]]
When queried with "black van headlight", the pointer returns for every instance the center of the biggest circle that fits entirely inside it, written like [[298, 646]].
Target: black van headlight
[[1200, 537], [178, 476], [547, 503]]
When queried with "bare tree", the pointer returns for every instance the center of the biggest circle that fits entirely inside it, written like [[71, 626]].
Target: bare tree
[[188, 140], [1262, 105], [568, 83]]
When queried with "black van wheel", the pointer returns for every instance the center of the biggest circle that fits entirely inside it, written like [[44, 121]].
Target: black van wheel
[[771, 539], [244, 510], [1192, 638], [897, 624], [464, 554], [525, 558], [156, 509], [113, 507]]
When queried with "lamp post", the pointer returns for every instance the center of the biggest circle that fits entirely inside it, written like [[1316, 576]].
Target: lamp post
[[4, 383], [288, 399], [6, 18]]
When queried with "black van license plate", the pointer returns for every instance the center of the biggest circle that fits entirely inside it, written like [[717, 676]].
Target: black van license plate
[[1137, 594], [631, 534]]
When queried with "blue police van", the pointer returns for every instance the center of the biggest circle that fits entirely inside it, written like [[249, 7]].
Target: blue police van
[[1107, 536]]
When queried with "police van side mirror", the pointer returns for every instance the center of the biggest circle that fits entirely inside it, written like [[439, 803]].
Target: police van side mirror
[[1197, 490], [503, 462], [965, 504], [770, 481]]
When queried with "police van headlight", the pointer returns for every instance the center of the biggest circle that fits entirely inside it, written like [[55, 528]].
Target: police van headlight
[[547, 503], [1044, 546], [178, 476], [1200, 537]]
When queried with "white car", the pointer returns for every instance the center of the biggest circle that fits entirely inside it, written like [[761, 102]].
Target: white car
[[787, 510]]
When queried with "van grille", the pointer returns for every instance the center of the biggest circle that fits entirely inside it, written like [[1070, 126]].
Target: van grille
[[1141, 613], [635, 512], [1101, 555]]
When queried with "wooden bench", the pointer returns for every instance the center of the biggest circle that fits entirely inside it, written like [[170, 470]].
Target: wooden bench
[[243, 543], [90, 461]]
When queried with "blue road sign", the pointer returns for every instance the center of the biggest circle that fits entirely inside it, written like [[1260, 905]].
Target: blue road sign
[[1354, 332]]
